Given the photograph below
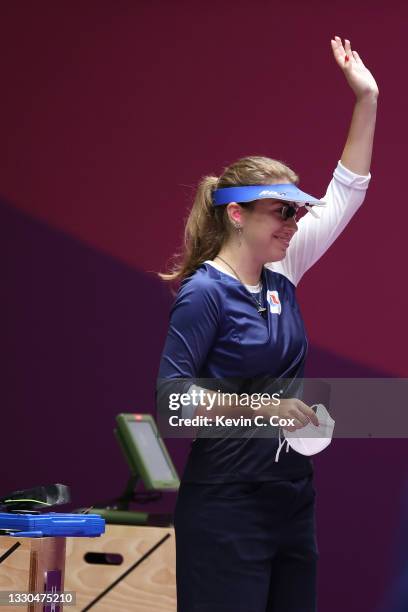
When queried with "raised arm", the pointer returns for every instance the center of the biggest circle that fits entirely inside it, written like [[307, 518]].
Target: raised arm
[[358, 149], [346, 191]]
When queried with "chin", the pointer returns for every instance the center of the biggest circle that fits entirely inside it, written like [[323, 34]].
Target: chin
[[277, 255]]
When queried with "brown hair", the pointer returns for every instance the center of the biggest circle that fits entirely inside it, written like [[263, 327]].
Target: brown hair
[[208, 226]]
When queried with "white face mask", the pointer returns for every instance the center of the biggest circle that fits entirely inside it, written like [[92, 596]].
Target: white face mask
[[317, 437]]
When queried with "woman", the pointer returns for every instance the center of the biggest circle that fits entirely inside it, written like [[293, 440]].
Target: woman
[[245, 516]]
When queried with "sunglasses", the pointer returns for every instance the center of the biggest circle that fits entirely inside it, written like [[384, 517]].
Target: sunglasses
[[287, 211]]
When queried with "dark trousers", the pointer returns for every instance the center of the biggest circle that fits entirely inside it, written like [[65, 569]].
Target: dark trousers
[[246, 547]]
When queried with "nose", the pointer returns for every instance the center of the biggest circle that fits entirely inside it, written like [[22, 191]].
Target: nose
[[291, 225]]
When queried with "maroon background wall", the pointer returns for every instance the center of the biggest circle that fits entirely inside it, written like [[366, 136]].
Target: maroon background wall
[[110, 114]]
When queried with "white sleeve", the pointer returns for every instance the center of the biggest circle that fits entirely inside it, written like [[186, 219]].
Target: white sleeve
[[344, 195]]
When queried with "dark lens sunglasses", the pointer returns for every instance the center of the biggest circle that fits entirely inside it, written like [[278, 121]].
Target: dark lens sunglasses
[[288, 210]]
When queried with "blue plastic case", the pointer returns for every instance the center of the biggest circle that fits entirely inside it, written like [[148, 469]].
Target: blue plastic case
[[52, 524]]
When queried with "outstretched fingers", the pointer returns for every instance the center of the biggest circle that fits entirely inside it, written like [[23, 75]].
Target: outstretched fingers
[[338, 50], [358, 58], [358, 76]]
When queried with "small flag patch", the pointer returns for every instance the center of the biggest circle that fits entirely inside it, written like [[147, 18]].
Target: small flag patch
[[274, 302]]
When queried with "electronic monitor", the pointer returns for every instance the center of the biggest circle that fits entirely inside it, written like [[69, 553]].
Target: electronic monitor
[[146, 452]]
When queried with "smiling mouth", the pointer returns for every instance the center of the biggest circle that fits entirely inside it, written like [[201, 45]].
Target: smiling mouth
[[284, 241]]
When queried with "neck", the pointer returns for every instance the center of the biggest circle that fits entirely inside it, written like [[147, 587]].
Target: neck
[[249, 270]]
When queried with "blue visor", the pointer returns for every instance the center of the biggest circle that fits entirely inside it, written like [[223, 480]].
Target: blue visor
[[279, 191]]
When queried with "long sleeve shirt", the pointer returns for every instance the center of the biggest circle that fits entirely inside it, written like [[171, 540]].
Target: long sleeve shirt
[[215, 333]]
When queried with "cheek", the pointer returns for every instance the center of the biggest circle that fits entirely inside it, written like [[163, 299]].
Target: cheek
[[263, 234], [261, 227], [268, 226], [275, 224]]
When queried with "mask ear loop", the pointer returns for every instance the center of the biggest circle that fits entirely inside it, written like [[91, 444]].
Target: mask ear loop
[[281, 443]]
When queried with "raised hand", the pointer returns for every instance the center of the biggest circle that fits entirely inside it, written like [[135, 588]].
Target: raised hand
[[358, 76]]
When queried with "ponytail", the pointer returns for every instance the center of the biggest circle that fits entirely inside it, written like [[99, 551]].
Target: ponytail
[[204, 232]]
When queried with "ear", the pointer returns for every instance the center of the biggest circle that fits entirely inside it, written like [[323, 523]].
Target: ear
[[235, 212]]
